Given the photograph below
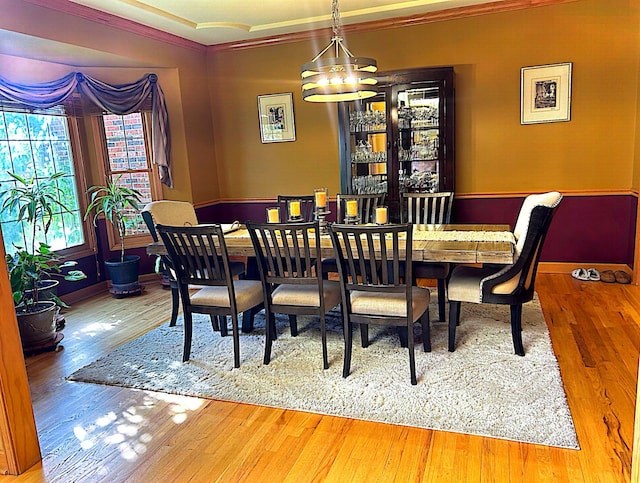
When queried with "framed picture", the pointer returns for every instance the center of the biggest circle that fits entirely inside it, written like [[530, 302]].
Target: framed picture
[[276, 118], [545, 93]]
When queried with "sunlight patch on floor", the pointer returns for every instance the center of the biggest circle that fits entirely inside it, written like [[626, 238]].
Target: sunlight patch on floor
[[97, 328], [130, 431]]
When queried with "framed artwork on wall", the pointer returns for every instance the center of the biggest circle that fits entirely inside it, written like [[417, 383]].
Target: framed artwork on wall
[[276, 118], [545, 93]]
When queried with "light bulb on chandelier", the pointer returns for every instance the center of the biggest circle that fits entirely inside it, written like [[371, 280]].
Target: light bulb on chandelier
[[339, 78]]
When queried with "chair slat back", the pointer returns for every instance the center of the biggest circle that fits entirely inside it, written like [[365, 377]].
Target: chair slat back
[[286, 252], [367, 204], [198, 254], [427, 208], [369, 257], [307, 206]]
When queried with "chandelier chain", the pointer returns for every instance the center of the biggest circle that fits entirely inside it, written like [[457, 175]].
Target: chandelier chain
[[335, 17]]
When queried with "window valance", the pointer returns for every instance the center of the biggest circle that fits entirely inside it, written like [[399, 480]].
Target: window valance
[[118, 99]]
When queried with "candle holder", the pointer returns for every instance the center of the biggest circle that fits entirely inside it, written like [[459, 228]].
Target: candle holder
[[273, 214], [321, 216], [352, 220], [294, 215]]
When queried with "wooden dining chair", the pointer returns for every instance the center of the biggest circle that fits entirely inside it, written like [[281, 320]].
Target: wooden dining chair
[[177, 213], [427, 208], [430, 208], [513, 284], [288, 261], [307, 207], [372, 289], [198, 255], [366, 204]]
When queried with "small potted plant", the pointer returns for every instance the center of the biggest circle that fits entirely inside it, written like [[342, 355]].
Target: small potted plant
[[32, 267], [36, 301], [114, 200]]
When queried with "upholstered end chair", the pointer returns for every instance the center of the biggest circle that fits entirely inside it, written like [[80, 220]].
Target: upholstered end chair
[[513, 284]]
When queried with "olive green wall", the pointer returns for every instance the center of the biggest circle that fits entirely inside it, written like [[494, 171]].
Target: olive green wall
[[495, 153]]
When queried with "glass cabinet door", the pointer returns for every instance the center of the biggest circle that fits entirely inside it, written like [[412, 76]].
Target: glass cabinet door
[[367, 146], [418, 138]]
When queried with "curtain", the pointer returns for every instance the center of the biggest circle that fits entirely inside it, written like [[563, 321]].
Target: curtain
[[118, 99]]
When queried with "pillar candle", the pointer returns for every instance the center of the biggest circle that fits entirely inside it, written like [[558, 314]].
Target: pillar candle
[[381, 215], [352, 208], [272, 215], [321, 199], [294, 208]]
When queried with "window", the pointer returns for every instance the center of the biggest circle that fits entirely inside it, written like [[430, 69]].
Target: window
[[35, 146], [128, 162]]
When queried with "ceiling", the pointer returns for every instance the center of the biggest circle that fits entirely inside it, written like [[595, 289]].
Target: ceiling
[[212, 22]]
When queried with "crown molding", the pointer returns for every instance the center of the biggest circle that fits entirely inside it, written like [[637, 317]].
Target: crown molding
[[88, 13], [398, 22], [120, 23]]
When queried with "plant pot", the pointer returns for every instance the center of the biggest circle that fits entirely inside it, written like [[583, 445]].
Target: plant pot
[[39, 326], [124, 275]]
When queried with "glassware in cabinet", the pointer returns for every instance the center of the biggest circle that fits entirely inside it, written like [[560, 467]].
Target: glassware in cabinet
[[367, 147], [402, 139]]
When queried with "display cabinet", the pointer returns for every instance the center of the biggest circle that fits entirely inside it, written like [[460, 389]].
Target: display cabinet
[[402, 139]]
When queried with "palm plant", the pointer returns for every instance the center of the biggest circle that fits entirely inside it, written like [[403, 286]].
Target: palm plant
[[35, 201], [113, 200]]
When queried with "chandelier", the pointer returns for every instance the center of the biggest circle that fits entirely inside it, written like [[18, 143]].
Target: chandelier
[[341, 77]]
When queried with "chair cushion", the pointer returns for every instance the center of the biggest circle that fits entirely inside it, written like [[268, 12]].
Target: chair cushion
[[389, 304], [307, 295], [248, 294], [465, 284]]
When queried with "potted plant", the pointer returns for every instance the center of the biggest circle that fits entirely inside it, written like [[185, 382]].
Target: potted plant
[[35, 299], [114, 200], [32, 267]]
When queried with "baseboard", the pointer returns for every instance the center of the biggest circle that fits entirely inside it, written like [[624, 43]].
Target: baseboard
[[85, 293], [102, 287]]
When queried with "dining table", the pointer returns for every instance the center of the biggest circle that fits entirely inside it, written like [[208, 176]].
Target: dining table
[[453, 243]]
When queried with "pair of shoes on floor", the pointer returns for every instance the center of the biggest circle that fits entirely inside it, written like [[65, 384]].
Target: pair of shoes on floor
[[619, 276], [586, 274]]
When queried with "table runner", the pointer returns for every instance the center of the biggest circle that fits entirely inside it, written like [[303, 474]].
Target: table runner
[[472, 236]]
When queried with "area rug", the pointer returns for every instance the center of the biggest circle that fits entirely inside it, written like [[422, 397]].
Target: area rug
[[482, 388]]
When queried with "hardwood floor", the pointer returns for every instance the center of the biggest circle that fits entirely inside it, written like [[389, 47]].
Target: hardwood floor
[[91, 432]]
